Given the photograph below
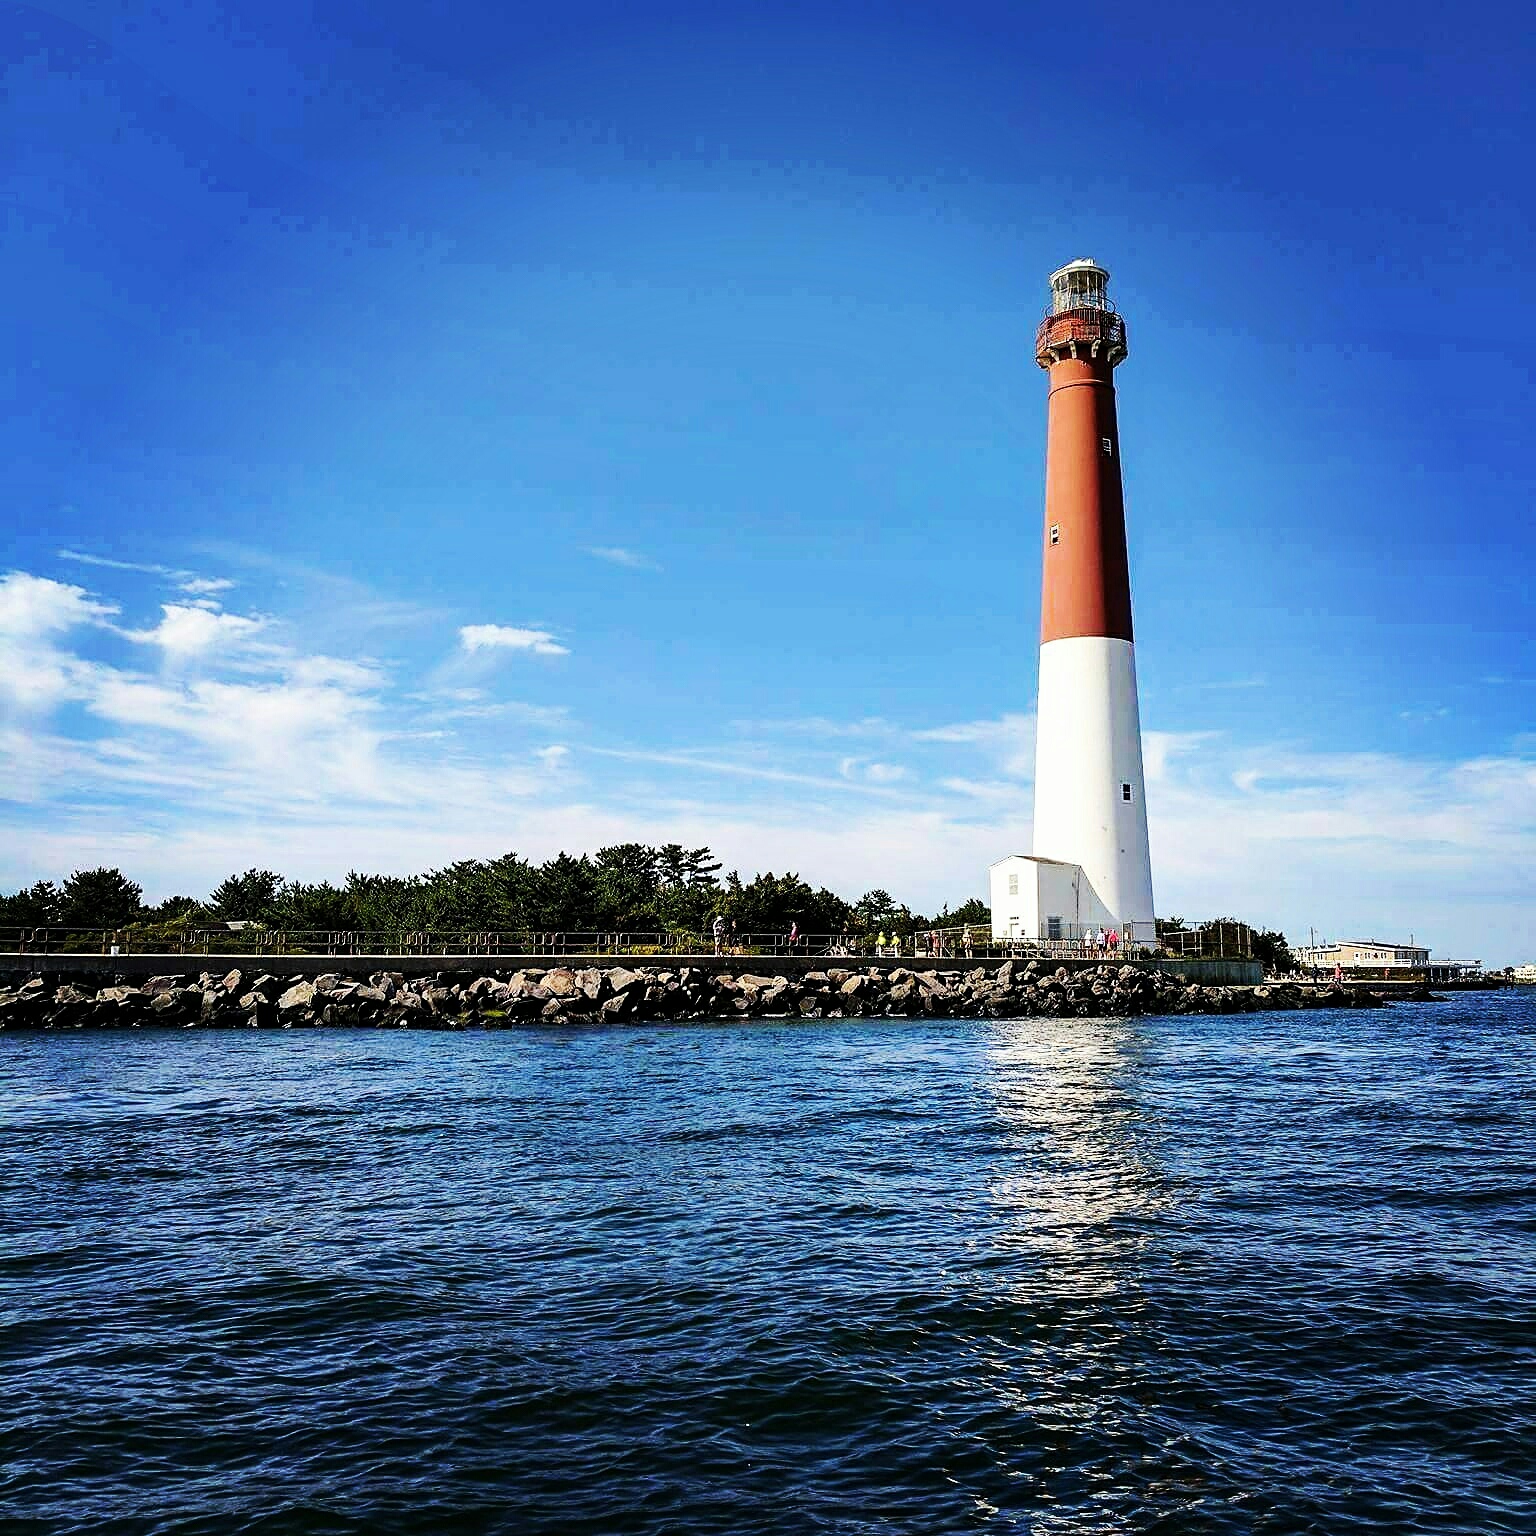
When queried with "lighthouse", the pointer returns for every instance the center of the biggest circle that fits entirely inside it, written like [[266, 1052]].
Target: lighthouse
[[1091, 867]]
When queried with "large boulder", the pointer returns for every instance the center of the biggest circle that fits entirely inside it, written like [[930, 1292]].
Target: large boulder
[[296, 998], [592, 984]]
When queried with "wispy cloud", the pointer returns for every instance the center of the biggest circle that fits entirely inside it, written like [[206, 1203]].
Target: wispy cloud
[[449, 703], [860, 769], [186, 581], [629, 558], [510, 637], [817, 725], [1009, 741], [1221, 684], [1160, 748], [105, 563], [734, 769]]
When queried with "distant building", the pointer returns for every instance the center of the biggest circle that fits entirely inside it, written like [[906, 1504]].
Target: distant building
[[1380, 957], [1371, 952], [1525, 973]]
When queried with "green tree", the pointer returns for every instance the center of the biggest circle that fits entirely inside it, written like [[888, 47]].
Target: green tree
[[626, 883], [1273, 950], [251, 897], [566, 894], [313, 906], [972, 913], [389, 903], [875, 909], [39, 906], [770, 903], [100, 898]]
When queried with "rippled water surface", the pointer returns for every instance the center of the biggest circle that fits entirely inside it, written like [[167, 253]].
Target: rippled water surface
[[1269, 1273]]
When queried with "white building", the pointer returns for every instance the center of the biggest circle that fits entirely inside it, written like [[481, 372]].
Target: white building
[[1379, 957], [1371, 952], [1040, 898]]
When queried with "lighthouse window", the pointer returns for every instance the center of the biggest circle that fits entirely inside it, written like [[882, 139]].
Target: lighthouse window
[[1013, 885], [1109, 448], [1125, 793], [1055, 533]]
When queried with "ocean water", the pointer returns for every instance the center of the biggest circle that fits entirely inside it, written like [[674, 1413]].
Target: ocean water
[[1264, 1273]]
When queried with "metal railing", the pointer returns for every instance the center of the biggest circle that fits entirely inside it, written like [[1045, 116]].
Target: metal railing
[[1069, 941], [1210, 941], [1083, 327], [1075, 941], [259, 942]]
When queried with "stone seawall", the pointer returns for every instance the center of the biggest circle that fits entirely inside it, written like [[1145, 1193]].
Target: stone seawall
[[102, 969], [252, 999]]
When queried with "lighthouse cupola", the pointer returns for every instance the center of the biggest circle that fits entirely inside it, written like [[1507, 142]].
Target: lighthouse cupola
[[1081, 284]]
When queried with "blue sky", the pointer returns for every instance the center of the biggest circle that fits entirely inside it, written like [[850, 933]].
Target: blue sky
[[432, 431]]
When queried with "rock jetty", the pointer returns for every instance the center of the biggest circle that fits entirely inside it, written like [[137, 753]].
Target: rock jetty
[[250, 999]]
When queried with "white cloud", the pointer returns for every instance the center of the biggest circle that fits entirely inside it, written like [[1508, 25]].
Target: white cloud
[[32, 607], [508, 637], [1159, 748], [205, 586], [871, 773], [35, 674], [185, 631], [629, 558]]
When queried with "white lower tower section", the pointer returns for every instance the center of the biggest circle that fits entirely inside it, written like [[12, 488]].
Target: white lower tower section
[[1090, 796]]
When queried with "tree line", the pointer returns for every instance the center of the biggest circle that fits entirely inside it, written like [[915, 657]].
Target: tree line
[[629, 887]]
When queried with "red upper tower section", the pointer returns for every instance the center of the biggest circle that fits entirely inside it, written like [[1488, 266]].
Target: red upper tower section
[[1086, 579]]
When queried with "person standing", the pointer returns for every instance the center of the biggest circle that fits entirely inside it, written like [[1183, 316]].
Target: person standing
[[966, 941], [718, 928]]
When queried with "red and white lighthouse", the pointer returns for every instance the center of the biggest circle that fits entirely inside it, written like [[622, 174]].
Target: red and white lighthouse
[[1091, 865]]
